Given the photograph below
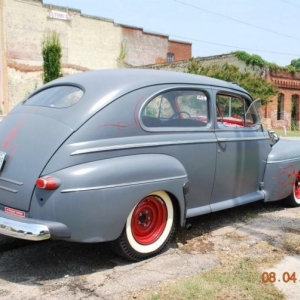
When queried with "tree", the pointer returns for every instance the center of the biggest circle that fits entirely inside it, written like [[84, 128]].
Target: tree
[[296, 63], [51, 56], [257, 86]]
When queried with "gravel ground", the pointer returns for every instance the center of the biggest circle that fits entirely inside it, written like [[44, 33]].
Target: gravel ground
[[61, 270]]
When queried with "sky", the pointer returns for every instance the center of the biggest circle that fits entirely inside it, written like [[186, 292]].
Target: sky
[[269, 28]]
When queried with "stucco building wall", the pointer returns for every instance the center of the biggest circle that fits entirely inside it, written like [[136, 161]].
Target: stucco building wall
[[88, 43], [143, 48]]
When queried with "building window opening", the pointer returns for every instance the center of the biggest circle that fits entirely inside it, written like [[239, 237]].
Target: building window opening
[[280, 112], [295, 112], [170, 57]]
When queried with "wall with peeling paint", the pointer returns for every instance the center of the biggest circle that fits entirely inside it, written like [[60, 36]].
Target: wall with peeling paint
[[88, 42]]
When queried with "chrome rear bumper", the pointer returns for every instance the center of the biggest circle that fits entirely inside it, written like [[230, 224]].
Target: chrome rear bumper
[[25, 231], [31, 229]]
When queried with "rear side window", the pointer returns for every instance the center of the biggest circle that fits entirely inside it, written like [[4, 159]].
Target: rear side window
[[182, 108], [56, 97]]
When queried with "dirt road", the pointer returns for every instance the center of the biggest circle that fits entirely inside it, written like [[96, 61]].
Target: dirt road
[[60, 270]]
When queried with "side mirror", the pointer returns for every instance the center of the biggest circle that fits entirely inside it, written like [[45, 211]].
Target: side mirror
[[274, 138]]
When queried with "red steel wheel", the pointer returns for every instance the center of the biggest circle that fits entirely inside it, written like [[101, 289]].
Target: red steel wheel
[[293, 200], [297, 190], [149, 220], [149, 227]]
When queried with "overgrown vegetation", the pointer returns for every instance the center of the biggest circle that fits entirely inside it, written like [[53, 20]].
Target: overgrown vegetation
[[123, 50], [255, 84], [52, 54], [251, 59], [296, 64], [256, 60]]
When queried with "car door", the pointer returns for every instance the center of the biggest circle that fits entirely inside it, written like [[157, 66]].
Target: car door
[[182, 117], [242, 150]]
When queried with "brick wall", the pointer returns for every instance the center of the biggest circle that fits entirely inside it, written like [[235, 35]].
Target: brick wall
[[180, 50]]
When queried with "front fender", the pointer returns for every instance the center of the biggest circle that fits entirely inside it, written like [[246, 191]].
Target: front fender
[[282, 168], [95, 198]]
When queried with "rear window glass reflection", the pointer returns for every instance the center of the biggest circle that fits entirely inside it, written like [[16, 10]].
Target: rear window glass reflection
[[56, 97]]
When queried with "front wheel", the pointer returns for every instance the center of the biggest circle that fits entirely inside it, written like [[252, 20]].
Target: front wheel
[[293, 200], [149, 227]]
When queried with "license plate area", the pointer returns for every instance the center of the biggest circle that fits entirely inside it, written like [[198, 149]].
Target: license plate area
[[2, 159]]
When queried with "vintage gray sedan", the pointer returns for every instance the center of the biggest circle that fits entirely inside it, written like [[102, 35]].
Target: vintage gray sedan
[[126, 155]]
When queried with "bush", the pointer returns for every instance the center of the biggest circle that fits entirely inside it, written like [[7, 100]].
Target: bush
[[51, 56]]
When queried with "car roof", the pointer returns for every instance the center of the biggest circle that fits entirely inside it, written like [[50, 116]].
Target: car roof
[[132, 79], [104, 86]]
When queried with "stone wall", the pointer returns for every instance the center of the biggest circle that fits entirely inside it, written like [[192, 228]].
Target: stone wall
[[182, 66]]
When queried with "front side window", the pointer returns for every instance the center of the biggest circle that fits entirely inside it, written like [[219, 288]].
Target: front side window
[[56, 97], [234, 111], [183, 108]]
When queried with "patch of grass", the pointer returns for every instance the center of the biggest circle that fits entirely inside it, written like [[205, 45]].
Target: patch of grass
[[239, 281], [289, 133], [291, 241]]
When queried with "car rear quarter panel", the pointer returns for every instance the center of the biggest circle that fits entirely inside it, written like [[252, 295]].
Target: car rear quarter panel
[[95, 199]]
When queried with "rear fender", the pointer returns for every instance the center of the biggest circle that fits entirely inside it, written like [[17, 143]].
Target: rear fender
[[95, 198], [282, 167]]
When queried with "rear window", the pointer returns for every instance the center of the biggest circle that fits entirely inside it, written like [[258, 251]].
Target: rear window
[[56, 97]]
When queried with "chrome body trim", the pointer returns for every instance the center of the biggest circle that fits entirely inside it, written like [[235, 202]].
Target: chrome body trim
[[120, 184], [11, 181], [157, 144], [8, 189], [283, 161], [25, 231], [141, 145], [241, 139]]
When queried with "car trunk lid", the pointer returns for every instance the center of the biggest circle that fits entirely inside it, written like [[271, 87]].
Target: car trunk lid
[[27, 142]]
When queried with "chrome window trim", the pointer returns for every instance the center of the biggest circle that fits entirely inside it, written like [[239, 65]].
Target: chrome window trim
[[195, 87], [109, 186]]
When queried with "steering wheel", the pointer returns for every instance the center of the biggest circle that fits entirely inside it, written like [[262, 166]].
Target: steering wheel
[[181, 112]]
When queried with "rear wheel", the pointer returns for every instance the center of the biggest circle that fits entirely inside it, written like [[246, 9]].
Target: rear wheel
[[293, 200], [149, 227]]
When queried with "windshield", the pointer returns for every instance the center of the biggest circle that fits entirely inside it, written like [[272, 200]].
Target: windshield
[[56, 97]]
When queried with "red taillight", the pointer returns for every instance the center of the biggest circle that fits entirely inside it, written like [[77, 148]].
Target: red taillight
[[47, 183]]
